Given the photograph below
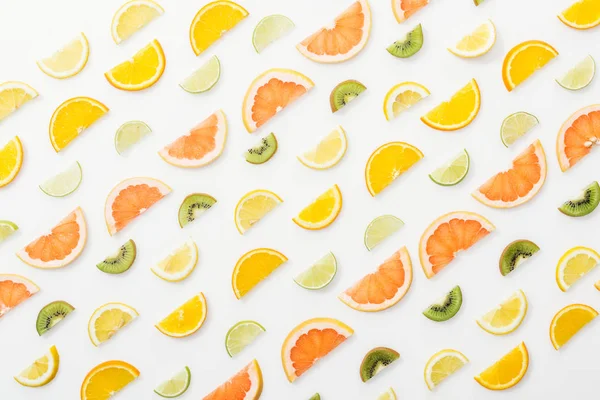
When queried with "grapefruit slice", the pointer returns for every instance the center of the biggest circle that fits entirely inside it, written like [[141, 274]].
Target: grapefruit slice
[[270, 93], [383, 288], [245, 385], [341, 40], [518, 184], [310, 341], [577, 136], [448, 235], [59, 247], [14, 289], [405, 8], [202, 145], [131, 198]]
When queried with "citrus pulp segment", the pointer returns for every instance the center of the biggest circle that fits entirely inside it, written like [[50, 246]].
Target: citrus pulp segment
[[186, 319], [380, 229], [253, 267], [13, 95], [269, 29], [318, 275], [322, 211], [12, 160], [388, 395], [64, 183], [579, 76], [577, 136], [176, 385], [454, 171], [458, 112], [133, 16], [68, 61], [247, 384], [582, 14], [477, 43], [241, 335], [328, 152], [252, 207], [568, 321], [387, 163], [179, 264], [212, 21], [401, 97], [7, 229], [574, 264], [507, 316], [443, 364], [515, 126], [106, 379], [141, 71], [506, 372], [71, 118], [204, 78], [108, 319], [14, 289], [523, 60], [403, 9], [129, 134], [42, 371]]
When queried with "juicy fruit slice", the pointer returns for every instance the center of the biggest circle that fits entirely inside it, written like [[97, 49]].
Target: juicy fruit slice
[[478, 2], [380, 229], [186, 319], [133, 16], [108, 319], [213, 21], [579, 76], [179, 264], [262, 152], [577, 136], [448, 235], [64, 183], [582, 14], [131, 198], [322, 211], [387, 163], [42, 371], [403, 9], [12, 160], [515, 126], [253, 267], [7, 229], [328, 152], [376, 360], [409, 45], [130, 133], [204, 78], [14, 289], [141, 71], [476, 43], [344, 93], [583, 204], [443, 364], [13, 95], [176, 385], [506, 317], [106, 379], [517, 185], [506, 372], [193, 206], [457, 112], [245, 385], [121, 260], [516, 253], [568, 321], [446, 307], [454, 171], [52, 314], [383, 288], [202, 145], [342, 39], [271, 92], [299, 353], [68, 61], [574, 264], [241, 335], [252, 207], [73, 117], [401, 97], [59, 247], [269, 29], [318, 275], [523, 60], [387, 395], [315, 396]]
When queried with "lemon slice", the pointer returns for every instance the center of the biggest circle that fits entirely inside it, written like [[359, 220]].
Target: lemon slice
[[108, 319], [13, 95], [269, 29], [179, 264], [387, 395], [129, 134], [42, 371], [401, 97], [12, 160], [328, 152], [7, 228], [574, 264], [380, 229], [133, 16], [476, 43], [64, 183], [515, 126], [579, 76], [241, 335], [185, 319], [507, 316], [322, 211], [204, 78], [176, 385], [319, 275], [68, 61], [252, 207], [568, 321], [443, 364], [454, 171]]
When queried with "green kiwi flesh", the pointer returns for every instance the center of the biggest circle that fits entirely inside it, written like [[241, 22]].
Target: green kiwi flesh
[[515, 254], [51, 315], [446, 307], [409, 45], [583, 204], [121, 261], [262, 151], [194, 205], [344, 93], [315, 396], [375, 361]]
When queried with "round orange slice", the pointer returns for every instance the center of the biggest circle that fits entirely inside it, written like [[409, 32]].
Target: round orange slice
[[568, 321], [308, 342], [14, 289], [71, 118], [448, 235], [213, 21], [517, 185], [141, 71], [245, 385], [405, 8], [106, 379], [59, 247], [523, 60], [383, 288], [387, 163], [577, 136], [457, 112]]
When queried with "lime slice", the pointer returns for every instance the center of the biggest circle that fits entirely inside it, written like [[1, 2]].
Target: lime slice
[[64, 183], [580, 76], [204, 78], [176, 385], [129, 134], [516, 125], [319, 274], [269, 29], [453, 171], [7, 228], [380, 228], [241, 335]]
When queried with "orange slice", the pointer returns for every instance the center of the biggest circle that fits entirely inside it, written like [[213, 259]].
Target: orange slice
[[308, 342], [387, 163], [342, 39], [457, 112], [322, 211], [523, 60], [106, 379], [448, 235], [577, 136], [202, 145], [506, 372], [59, 247], [12, 160], [245, 385], [129, 199], [405, 8], [185, 319], [71, 118], [383, 288], [568, 321], [14, 289], [270, 93], [517, 185], [141, 71], [253, 267], [582, 14], [213, 21]]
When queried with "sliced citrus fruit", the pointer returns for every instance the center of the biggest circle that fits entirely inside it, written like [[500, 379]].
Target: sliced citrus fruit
[[577, 136], [179, 264], [269, 29], [388, 162], [42, 371], [401, 97], [448, 235], [403, 9], [176, 385], [582, 14], [241, 335], [328, 152], [108, 319], [506, 316], [186, 319], [341, 40], [64, 183], [506, 372], [574, 264], [141, 71], [597, 285], [388, 395], [133, 16], [7, 229], [202, 145], [129, 134], [443, 364], [579, 76], [454, 171], [14, 289], [322, 211], [380, 229], [318, 275], [523, 60], [568, 321], [245, 385], [204, 78], [252, 207], [73, 117], [131, 198], [476, 43], [515, 126], [12, 160], [310, 341], [213, 21], [68, 61], [457, 112], [13, 95], [106, 379], [253, 267]]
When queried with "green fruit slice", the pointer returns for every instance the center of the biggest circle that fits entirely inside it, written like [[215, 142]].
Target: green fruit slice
[[446, 307], [409, 45], [262, 151], [64, 183], [454, 171], [380, 228], [516, 125], [579, 76], [7, 228], [176, 385], [194, 205], [583, 204], [241, 335], [319, 275], [478, 2], [51, 315], [269, 29], [376, 360], [129, 134], [315, 396], [515, 254], [121, 261], [204, 78], [344, 93]]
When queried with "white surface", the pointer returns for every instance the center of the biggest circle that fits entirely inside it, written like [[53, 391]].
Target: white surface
[[32, 29]]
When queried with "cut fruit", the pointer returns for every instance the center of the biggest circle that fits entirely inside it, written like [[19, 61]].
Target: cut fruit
[[130, 133], [383, 288], [299, 352], [409, 45], [241, 335], [68, 61], [245, 385], [344, 93], [106, 379], [133, 16], [52, 314], [63, 183], [59, 247], [454, 171], [387, 163], [186, 319], [517, 185], [204, 78], [523, 60], [375, 361], [253, 267], [14, 289], [443, 364], [582, 14], [120, 261], [213, 21], [7, 229], [12, 160], [515, 126], [13, 95], [401, 97], [574, 264], [403, 9], [271, 92], [380, 229], [73, 117], [108, 319], [506, 372], [179, 264], [579, 76], [478, 2], [269, 29], [322, 211], [447, 236], [342, 39], [252, 207], [318, 275], [458, 112], [568, 321], [315, 396], [583, 204], [176, 385], [263, 150], [141, 71], [476, 43], [193, 206], [388, 395], [328, 152], [131, 198], [446, 307], [506, 317], [515, 254], [577, 136], [42, 371]]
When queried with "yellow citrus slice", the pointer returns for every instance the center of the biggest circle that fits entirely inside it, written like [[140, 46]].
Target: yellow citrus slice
[[387, 163], [253, 267], [68, 61], [73, 117], [108, 319], [574, 264], [252, 207], [322, 211], [13, 95], [133, 16], [401, 97], [328, 152], [582, 14], [106, 379], [12, 160], [458, 112], [179, 264], [213, 21], [186, 319], [506, 372], [523, 60], [505, 317], [141, 71], [247, 384], [568, 321], [42, 371], [443, 364], [476, 43]]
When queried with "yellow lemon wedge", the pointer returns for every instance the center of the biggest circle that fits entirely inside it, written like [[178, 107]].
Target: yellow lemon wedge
[[42, 371], [252, 207], [443, 364], [68, 61], [133, 16], [574, 264], [13, 95], [328, 152], [507, 316], [179, 264], [108, 319]]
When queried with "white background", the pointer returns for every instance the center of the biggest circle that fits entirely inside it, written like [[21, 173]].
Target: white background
[[31, 29]]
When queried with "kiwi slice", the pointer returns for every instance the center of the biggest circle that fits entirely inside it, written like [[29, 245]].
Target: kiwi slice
[[583, 204], [446, 307], [315, 396], [262, 151], [344, 93], [409, 45], [375, 361], [194, 205], [516, 253], [121, 261], [51, 315]]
